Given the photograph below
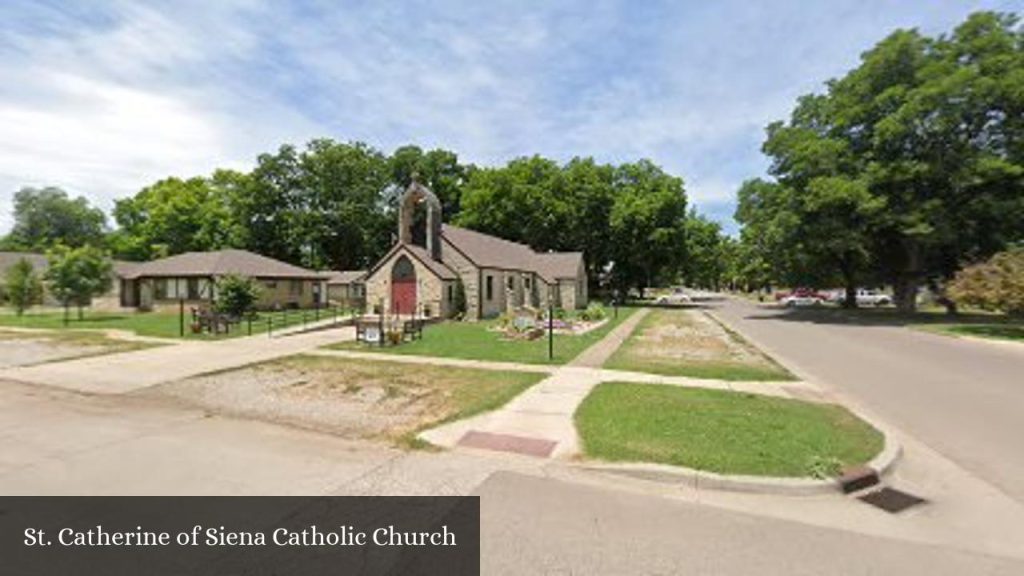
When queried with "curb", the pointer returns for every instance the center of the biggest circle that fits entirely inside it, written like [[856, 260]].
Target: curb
[[882, 464]]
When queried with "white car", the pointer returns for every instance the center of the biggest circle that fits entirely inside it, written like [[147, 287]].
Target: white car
[[799, 301], [873, 298], [866, 297], [677, 297]]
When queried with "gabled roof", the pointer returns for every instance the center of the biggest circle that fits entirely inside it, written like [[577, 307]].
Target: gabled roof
[[489, 251], [436, 268], [38, 261], [220, 263], [555, 265], [346, 276]]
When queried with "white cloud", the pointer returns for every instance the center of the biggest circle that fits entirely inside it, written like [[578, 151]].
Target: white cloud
[[106, 99]]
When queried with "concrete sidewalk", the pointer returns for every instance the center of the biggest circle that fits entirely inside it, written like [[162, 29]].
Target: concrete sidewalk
[[128, 371], [599, 353]]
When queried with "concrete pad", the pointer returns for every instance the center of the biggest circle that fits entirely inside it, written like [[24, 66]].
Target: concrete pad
[[130, 371], [528, 446]]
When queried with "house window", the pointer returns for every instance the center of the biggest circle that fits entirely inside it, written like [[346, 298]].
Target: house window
[[511, 282], [160, 289], [295, 288], [193, 289], [490, 288], [526, 282], [451, 293], [271, 284]]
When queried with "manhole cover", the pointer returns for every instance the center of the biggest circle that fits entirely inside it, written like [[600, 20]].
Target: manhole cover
[[891, 500]]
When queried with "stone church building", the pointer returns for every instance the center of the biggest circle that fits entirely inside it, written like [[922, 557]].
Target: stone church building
[[421, 273]]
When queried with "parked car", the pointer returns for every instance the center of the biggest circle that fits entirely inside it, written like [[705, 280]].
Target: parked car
[[867, 297], [800, 293], [873, 298], [678, 296], [798, 300]]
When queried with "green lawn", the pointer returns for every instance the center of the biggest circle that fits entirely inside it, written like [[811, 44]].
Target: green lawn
[[156, 324], [679, 343], [996, 331], [720, 431], [474, 341]]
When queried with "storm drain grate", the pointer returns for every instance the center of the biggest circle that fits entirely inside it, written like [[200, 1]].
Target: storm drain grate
[[891, 500]]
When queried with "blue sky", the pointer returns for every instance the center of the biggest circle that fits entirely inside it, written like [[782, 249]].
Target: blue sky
[[104, 98]]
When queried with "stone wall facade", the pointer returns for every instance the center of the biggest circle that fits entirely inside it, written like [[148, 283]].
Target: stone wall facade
[[434, 296]]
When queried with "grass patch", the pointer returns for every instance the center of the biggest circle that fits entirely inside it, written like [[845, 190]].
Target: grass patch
[[421, 396], [720, 431], [161, 324], [1007, 331], [680, 343], [475, 341]]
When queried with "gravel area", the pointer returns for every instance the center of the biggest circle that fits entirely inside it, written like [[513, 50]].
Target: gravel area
[[21, 350], [352, 403]]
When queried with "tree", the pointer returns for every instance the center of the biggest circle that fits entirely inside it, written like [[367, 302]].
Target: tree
[[322, 207], [174, 216], [76, 275], [706, 261], [237, 295], [997, 284], [911, 163], [22, 286], [44, 217], [647, 226], [437, 169]]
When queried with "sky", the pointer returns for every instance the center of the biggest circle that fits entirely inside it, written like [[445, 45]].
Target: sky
[[104, 98]]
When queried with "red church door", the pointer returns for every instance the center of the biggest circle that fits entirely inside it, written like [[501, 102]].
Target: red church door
[[403, 287]]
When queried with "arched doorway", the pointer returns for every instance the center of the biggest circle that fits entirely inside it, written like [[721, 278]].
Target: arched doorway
[[403, 287]]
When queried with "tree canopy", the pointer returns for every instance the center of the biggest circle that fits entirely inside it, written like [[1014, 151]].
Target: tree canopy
[[902, 170], [76, 275], [44, 217]]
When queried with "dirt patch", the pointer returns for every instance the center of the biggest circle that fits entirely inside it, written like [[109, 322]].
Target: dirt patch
[[349, 398], [27, 348], [691, 343], [691, 336]]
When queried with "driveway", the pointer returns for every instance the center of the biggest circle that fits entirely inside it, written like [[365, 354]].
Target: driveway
[[963, 398]]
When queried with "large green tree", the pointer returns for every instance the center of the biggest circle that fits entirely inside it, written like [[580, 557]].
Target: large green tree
[[647, 226], [174, 216], [706, 260], [47, 216], [908, 166], [321, 207]]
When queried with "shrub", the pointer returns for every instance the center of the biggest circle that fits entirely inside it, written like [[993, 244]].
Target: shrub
[[23, 287], [595, 312], [236, 295], [997, 284]]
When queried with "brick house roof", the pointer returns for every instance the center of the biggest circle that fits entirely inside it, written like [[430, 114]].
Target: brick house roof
[[220, 263], [346, 276]]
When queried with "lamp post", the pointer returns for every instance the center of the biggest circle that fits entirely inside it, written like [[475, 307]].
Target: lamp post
[[551, 329]]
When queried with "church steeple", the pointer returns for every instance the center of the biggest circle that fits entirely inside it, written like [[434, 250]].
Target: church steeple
[[426, 229]]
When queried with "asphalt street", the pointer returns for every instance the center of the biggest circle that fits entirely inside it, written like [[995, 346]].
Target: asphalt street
[[961, 397]]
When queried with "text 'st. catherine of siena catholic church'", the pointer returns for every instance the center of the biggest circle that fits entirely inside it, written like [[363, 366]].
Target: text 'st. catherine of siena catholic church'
[[421, 273]]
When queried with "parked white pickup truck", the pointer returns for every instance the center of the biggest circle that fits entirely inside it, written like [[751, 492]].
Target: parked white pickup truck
[[872, 298]]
